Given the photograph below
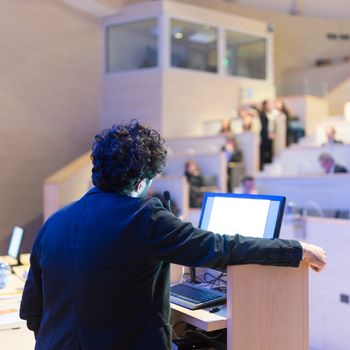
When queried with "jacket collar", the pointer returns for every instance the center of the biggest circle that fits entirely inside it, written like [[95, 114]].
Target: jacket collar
[[93, 190]]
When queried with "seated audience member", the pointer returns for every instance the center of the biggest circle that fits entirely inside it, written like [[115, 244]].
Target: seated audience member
[[247, 185], [195, 180], [329, 165], [330, 133], [198, 183], [232, 151], [192, 172], [247, 123], [226, 127]]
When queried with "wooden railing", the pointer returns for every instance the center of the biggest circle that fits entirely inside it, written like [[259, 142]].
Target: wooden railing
[[67, 184]]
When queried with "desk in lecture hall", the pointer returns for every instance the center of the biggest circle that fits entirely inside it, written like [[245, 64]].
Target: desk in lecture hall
[[14, 334], [202, 318]]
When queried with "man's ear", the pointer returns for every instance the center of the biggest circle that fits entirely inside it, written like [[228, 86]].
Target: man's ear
[[138, 186], [141, 188]]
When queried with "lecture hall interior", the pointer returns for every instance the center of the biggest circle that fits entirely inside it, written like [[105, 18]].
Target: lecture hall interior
[[243, 91]]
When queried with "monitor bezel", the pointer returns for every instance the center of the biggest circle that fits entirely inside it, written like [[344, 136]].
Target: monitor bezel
[[280, 199]]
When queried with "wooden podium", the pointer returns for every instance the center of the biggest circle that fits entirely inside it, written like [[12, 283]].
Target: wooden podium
[[267, 309]]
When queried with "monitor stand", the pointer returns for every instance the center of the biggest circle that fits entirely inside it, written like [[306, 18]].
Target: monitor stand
[[193, 279], [19, 263]]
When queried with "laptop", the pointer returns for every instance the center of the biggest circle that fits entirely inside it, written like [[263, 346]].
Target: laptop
[[15, 244]]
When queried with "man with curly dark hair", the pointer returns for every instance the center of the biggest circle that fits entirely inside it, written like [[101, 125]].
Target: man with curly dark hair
[[99, 276], [125, 155]]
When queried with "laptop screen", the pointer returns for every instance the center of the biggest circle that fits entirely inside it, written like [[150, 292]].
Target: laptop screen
[[15, 243], [244, 214]]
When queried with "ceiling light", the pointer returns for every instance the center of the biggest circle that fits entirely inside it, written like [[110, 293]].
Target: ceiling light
[[202, 37], [178, 35]]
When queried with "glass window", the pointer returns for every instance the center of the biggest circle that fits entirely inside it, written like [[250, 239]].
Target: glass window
[[132, 46], [245, 55], [193, 46]]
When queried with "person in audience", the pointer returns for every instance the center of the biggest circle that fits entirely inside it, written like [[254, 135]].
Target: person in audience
[[251, 122], [248, 185], [226, 127], [282, 109], [233, 155], [195, 180], [231, 150], [99, 273], [267, 132], [329, 165], [247, 120], [330, 133], [294, 128], [192, 172], [280, 127], [247, 123], [239, 120]]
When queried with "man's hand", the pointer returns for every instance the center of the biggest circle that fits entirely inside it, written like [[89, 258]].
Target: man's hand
[[315, 256]]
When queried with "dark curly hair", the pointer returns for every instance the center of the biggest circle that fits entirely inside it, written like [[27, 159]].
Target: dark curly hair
[[126, 154]]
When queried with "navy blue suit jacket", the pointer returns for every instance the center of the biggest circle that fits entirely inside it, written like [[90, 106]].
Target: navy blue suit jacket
[[99, 276]]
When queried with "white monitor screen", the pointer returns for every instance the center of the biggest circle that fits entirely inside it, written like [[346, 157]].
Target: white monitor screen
[[15, 243], [247, 215]]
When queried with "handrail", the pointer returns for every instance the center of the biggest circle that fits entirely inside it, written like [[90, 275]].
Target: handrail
[[67, 184], [69, 169]]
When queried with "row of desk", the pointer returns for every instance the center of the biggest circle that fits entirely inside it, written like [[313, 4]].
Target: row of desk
[[14, 334]]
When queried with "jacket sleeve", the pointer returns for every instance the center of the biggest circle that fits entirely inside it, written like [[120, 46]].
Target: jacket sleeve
[[32, 302], [175, 241]]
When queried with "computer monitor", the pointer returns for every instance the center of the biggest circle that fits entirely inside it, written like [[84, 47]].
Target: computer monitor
[[15, 244], [249, 215]]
